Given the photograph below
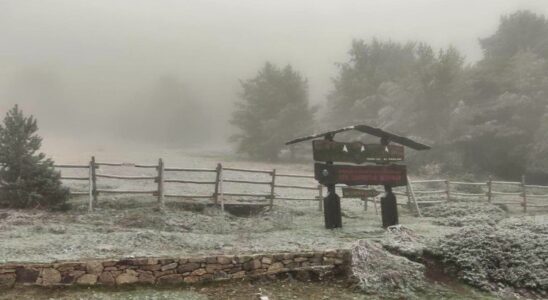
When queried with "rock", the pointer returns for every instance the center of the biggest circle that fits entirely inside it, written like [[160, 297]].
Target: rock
[[170, 266], [87, 279], [170, 279], [147, 278], [50, 276], [212, 268], [26, 275], [237, 275], [188, 267], [126, 278], [211, 260], [7, 280], [224, 260], [107, 278], [199, 272], [300, 259], [3, 271], [266, 260], [252, 265], [191, 279], [94, 267], [70, 277], [276, 267]]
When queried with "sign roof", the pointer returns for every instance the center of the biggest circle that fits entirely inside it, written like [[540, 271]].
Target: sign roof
[[369, 130]]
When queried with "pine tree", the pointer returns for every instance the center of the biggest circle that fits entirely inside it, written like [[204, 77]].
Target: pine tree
[[273, 109], [27, 177]]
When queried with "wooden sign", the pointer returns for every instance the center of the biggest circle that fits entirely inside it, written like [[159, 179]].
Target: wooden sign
[[393, 175], [349, 192], [356, 152]]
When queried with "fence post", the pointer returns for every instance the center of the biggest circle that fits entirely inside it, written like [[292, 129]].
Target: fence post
[[217, 180], [448, 190], [90, 182], [221, 191], [524, 193], [160, 184], [490, 189], [93, 167], [408, 196], [272, 186], [320, 198]]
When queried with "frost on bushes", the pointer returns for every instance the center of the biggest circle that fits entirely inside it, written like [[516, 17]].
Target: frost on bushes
[[460, 214], [381, 273], [513, 253], [403, 241]]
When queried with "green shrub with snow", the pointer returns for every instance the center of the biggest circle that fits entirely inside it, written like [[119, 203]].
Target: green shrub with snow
[[460, 214], [514, 253]]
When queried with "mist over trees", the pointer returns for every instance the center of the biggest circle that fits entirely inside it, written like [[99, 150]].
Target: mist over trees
[[166, 113], [490, 117], [274, 106]]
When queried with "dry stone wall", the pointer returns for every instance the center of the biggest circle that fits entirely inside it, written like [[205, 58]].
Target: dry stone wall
[[165, 270]]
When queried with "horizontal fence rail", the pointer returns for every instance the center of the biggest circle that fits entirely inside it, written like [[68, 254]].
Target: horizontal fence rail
[[418, 192]]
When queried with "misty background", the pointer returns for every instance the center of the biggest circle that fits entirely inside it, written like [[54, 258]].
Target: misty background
[[170, 72]]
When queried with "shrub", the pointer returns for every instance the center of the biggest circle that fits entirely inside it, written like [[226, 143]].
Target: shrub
[[27, 177], [513, 253], [464, 213]]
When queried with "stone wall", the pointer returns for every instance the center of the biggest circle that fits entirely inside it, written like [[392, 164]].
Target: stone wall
[[168, 270]]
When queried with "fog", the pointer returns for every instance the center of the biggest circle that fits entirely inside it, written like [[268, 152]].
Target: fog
[[95, 70]]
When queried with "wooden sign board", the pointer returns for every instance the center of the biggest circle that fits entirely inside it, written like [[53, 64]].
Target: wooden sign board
[[349, 192], [356, 152], [393, 175]]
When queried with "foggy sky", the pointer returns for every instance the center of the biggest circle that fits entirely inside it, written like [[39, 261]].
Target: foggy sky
[[101, 55]]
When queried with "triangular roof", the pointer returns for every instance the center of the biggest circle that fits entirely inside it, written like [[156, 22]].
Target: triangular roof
[[391, 137]]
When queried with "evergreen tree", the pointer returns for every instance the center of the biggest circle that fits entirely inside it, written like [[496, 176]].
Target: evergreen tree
[[274, 109], [27, 177]]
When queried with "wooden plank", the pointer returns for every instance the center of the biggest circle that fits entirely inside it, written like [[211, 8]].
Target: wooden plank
[[537, 186], [394, 175], [296, 199], [248, 181], [160, 181], [247, 195], [506, 182], [248, 170], [467, 194], [507, 202], [349, 192], [74, 178], [217, 181], [428, 181], [283, 186], [537, 205], [187, 196], [272, 189], [126, 192], [146, 166], [78, 193], [356, 152], [127, 177], [109, 164], [188, 170], [430, 201], [507, 194], [71, 166], [295, 175], [467, 183], [188, 181], [431, 192], [537, 196]]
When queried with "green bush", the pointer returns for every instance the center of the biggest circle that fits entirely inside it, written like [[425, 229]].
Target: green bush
[[27, 177], [513, 253], [460, 214]]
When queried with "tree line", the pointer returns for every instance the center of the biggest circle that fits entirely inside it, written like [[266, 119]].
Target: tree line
[[487, 117]]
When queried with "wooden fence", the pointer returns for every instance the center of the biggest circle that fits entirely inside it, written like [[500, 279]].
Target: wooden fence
[[218, 195], [417, 192]]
